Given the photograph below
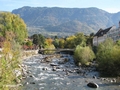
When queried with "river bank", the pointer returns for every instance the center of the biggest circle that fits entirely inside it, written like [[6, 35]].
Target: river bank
[[59, 72], [29, 53]]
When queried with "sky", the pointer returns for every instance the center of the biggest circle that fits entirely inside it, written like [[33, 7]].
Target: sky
[[111, 6]]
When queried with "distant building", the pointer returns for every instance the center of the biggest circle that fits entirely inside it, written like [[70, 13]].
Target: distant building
[[102, 35]]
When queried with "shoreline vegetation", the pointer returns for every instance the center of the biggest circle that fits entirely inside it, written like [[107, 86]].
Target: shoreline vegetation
[[19, 72], [14, 36]]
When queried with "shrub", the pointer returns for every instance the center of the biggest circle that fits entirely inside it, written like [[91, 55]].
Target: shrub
[[83, 55]]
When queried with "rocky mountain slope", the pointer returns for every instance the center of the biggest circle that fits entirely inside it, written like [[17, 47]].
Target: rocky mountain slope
[[66, 20]]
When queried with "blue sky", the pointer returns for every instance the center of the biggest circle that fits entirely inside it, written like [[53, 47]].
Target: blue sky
[[111, 6]]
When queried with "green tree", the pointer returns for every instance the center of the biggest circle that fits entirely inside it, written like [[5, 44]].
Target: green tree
[[61, 43], [12, 22], [70, 42], [80, 39], [38, 39], [89, 39], [108, 57], [74, 40], [56, 42]]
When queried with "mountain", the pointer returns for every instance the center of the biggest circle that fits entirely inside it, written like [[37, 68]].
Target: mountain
[[66, 20]]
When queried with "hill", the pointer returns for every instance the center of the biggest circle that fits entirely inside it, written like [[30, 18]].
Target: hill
[[61, 21]]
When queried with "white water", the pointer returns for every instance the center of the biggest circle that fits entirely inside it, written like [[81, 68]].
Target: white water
[[40, 79]]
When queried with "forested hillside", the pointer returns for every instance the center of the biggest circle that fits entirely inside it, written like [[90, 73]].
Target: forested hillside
[[66, 20]]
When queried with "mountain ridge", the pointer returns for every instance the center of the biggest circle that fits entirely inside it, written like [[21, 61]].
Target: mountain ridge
[[72, 20]]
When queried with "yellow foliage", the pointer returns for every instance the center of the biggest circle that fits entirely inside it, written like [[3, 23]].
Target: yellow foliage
[[61, 43], [49, 41]]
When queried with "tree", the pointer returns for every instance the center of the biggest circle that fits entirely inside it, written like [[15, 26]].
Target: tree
[[74, 40], [38, 39], [70, 42], [12, 22], [56, 42], [80, 39], [49, 41], [108, 58], [61, 43], [89, 39], [49, 45]]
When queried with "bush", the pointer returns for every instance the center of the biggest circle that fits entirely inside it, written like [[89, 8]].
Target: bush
[[83, 55], [49, 51], [108, 57]]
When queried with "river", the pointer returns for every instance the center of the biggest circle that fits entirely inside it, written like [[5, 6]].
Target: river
[[59, 72]]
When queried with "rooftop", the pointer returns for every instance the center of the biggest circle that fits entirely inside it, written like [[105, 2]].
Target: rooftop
[[101, 32]]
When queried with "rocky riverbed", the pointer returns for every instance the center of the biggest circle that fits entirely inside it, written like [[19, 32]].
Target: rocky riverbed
[[59, 72]]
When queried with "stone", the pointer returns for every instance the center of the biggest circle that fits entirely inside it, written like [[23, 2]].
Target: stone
[[53, 64], [44, 68], [32, 82], [92, 85], [54, 69], [94, 77], [61, 62]]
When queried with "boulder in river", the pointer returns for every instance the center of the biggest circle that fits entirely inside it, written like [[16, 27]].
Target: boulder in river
[[53, 64], [44, 68], [92, 85]]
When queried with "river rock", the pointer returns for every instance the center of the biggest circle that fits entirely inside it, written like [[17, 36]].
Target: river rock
[[94, 77], [53, 64], [32, 82], [92, 85], [47, 59], [63, 61], [54, 69], [44, 68]]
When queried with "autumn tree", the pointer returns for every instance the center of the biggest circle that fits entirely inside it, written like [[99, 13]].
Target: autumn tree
[[12, 22], [49, 45], [74, 40], [70, 43]]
